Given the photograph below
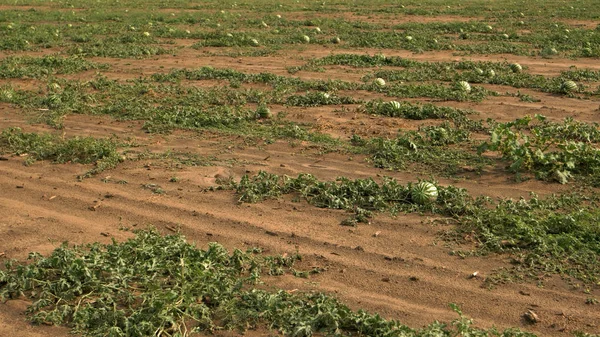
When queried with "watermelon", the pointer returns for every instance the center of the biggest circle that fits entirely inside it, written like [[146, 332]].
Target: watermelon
[[549, 51], [6, 95], [569, 86], [464, 86], [423, 193], [336, 40], [516, 68], [380, 82], [394, 105]]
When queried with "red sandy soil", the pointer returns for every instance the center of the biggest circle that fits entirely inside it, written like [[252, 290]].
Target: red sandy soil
[[404, 273]]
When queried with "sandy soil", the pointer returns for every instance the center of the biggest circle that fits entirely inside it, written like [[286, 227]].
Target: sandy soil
[[405, 272]]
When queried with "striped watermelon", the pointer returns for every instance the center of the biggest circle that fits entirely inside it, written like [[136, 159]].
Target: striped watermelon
[[6, 95], [464, 86], [569, 86], [423, 193], [394, 105], [516, 68], [380, 82]]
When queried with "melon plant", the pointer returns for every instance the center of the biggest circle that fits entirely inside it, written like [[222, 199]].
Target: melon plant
[[423, 192], [380, 82], [53, 86], [53, 100], [568, 86], [380, 56], [264, 112], [464, 86], [516, 68]]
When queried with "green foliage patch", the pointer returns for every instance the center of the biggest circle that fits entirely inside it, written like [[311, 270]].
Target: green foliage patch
[[553, 235], [85, 150], [37, 67], [153, 285], [441, 149], [552, 151], [418, 111]]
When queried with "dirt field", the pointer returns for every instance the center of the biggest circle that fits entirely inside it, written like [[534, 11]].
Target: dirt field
[[403, 272]]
